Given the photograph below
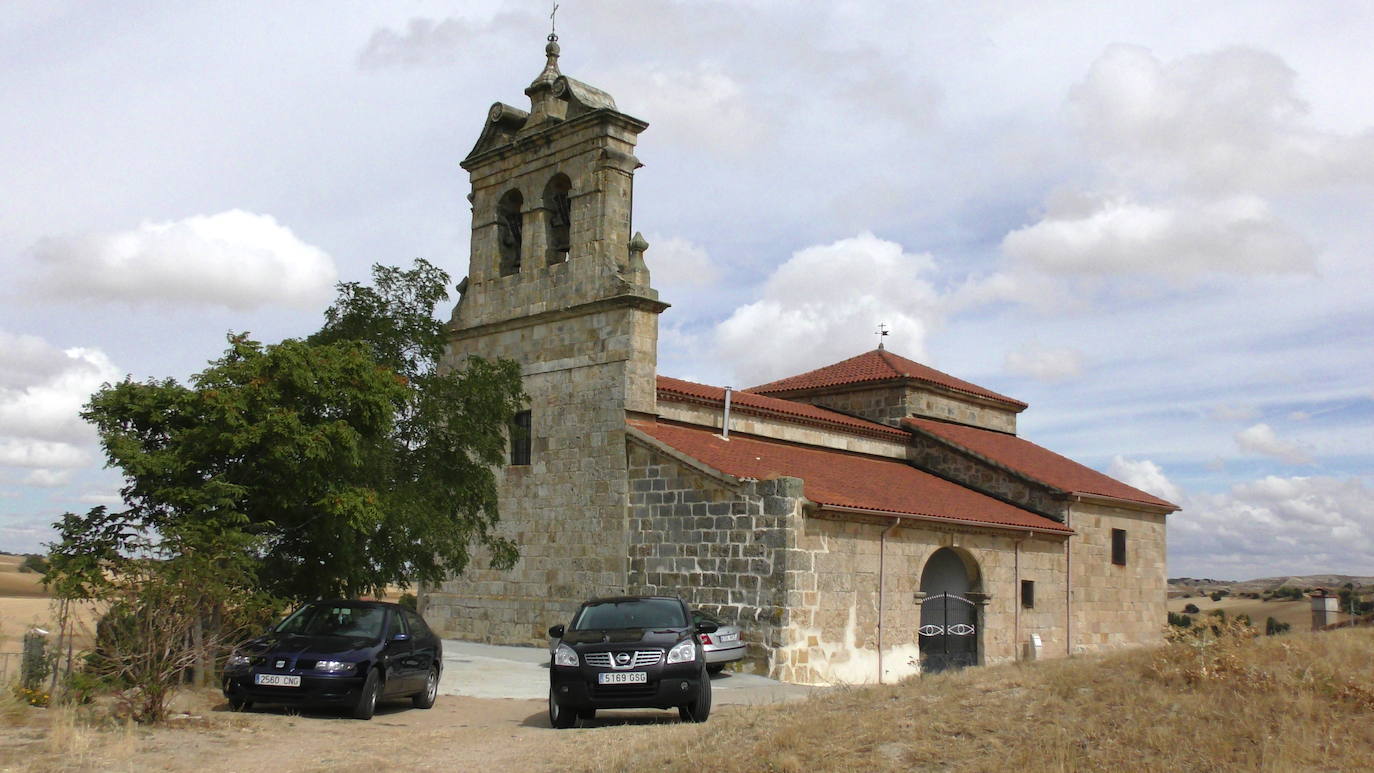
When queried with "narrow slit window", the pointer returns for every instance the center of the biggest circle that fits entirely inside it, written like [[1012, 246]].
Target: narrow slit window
[[520, 439], [1028, 594], [1119, 547]]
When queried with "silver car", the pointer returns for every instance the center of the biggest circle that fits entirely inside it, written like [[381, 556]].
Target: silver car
[[723, 646]]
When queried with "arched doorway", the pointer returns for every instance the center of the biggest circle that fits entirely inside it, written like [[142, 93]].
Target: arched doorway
[[949, 618]]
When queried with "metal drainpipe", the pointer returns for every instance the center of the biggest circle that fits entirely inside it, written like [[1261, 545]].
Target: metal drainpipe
[[882, 585], [1016, 602], [725, 422], [1068, 588]]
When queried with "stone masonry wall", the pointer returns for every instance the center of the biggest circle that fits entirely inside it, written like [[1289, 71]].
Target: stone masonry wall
[[940, 405], [890, 404], [1117, 606], [833, 595], [567, 509], [930, 454], [719, 547]]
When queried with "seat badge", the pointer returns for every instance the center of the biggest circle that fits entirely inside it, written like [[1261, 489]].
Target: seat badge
[[281, 664]]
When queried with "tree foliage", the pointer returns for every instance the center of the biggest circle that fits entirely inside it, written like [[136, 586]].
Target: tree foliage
[[338, 464]]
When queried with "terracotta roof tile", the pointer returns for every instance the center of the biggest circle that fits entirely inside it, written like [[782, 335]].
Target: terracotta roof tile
[[838, 478], [878, 365], [677, 390], [1036, 461]]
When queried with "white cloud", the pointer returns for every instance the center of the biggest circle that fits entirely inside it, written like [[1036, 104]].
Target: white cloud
[[22, 452], [1110, 235], [1231, 412], [98, 498], [47, 407], [1223, 120], [236, 259], [825, 303], [1276, 526], [424, 43], [676, 263], [1260, 439], [1049, 364], [697, 105], [1146, 476], [44, 478]]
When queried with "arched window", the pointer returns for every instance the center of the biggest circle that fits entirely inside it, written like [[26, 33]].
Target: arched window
[[559, 217], [508, 224]]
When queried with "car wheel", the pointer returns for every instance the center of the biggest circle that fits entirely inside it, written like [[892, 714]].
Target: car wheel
[[558, 716], [424, 699], [367, 701], [715, 668], [699, 709]]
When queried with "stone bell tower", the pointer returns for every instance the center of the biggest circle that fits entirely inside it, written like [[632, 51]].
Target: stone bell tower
[[557, 282]]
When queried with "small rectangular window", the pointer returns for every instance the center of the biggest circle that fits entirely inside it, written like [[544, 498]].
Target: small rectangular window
[[1028, 594], [520, 439], [1119, 547]]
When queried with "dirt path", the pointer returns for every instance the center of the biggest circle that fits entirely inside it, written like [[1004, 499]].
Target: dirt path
[[457, 734]]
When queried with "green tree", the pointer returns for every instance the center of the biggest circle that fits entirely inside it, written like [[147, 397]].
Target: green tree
[[339, 464]]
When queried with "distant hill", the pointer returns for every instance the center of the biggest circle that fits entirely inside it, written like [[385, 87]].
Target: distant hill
[[1263, 584]]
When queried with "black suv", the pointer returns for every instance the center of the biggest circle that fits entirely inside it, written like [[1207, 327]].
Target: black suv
[[631, 652]]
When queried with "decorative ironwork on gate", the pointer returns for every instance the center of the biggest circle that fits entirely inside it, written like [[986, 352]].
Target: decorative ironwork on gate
[[949, 640]]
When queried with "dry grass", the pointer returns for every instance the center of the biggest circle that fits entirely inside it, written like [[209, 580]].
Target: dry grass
[[1296, 613], [1297, 702]]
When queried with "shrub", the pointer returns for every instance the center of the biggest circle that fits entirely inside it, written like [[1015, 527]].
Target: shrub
[[34, 563], [1272, 626], [1191, 609], [407, 600], [1216, 595], [1180, 621]]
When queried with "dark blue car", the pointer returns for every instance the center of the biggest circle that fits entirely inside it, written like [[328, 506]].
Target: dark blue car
[[341, 653]]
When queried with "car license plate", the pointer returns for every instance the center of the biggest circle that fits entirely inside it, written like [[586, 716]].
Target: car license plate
[[277, 680], [729, 637], [622, 677]]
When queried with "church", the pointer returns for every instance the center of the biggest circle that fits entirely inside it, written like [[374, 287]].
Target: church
[[862, 522]]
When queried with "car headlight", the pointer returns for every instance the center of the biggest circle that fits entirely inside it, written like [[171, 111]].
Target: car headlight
[[684, 652], [334, 666], [565, 656], [237, 661]]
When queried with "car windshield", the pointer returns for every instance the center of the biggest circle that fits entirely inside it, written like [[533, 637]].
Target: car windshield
[[334, 620], [630, 613]]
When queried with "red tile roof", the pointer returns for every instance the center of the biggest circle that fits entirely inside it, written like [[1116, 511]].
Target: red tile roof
[[879, 365], [1036, 461], [842, 479], [677, 390]]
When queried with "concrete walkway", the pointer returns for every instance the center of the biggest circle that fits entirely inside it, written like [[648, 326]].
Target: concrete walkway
[[491, 671]]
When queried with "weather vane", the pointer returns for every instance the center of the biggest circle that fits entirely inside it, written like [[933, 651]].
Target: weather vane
[[882, 333], [553, 23]]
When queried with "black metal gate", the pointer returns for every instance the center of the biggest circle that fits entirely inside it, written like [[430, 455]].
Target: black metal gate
[[949, 632]]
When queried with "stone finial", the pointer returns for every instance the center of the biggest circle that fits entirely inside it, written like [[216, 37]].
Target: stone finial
[[544, 90], [550, 73], [638, 269]]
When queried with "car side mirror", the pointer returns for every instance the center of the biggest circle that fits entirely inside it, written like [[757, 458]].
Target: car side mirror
[[401, 637], [556, 632], [705, 627]]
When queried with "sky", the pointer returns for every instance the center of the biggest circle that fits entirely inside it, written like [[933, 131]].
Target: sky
[[1150, 221]]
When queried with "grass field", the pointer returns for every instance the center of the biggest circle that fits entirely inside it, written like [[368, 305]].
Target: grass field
[[24, 604], [1298, 614], [1294, 702]]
